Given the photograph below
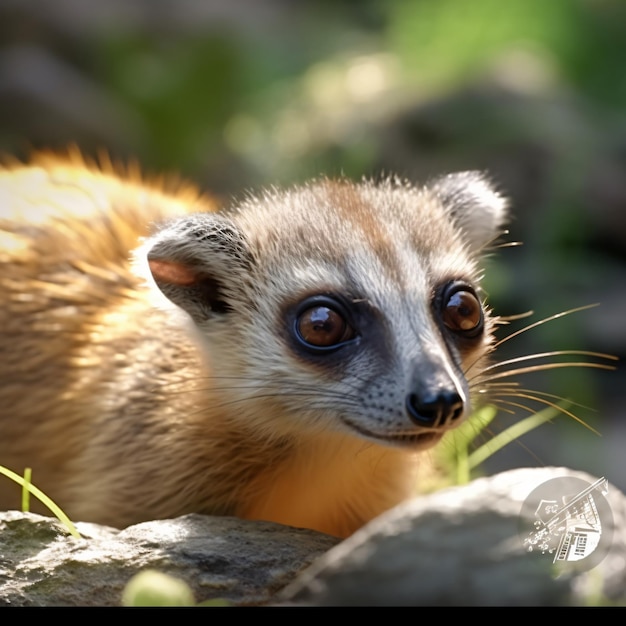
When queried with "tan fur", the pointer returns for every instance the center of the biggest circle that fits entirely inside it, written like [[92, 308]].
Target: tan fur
[[123, 411]]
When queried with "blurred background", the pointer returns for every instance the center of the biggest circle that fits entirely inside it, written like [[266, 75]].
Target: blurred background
[[240, 94]]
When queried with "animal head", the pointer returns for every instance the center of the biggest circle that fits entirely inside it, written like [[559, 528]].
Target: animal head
[[340, 306]]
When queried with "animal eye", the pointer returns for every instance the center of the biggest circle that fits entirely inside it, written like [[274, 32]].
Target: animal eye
[[461, 310], [323, 326]]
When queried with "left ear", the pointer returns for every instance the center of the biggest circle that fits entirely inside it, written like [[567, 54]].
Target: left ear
[[474, 205], [200, 263]]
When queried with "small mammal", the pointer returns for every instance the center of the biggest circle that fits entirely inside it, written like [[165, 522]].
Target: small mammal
[[289, 359]]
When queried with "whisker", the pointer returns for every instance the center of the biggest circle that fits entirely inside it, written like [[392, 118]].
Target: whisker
[[507, 319], [504, 320], [517, 405], [482, 431], [498, 405], [320, 406], [558, 407], [247, 385], [516, 440], [318, 402], [508, 383], [550, 395], [544, 321], [498, 401], [544, 355], [539, 368], [508, 244]]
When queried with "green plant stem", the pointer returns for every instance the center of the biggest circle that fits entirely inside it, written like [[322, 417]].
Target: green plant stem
[[510, 434], [28, 472], [42, 497]]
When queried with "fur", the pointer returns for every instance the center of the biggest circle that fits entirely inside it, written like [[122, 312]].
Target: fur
[[175, 382]]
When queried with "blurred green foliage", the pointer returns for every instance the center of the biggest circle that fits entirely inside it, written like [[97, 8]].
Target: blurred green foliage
[[449, 41], [251, 97]]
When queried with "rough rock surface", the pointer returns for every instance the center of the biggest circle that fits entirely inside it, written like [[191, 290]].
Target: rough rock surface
[[463, 546], [460, 546], [218, 557]]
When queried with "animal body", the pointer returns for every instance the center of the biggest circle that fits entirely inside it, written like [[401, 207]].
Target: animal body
[[288, 359]]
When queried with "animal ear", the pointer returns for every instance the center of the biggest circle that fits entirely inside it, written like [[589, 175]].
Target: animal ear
[[200, 262], [474, 204]]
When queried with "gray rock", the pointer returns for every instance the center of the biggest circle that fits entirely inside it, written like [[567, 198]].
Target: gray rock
[[459, 546], [218, 557], [464, 546]]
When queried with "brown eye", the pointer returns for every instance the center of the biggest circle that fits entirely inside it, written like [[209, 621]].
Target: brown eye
[[462, 312], [323, 327]]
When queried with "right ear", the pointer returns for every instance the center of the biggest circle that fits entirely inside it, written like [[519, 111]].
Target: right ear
[[198, 262], [474, 204]]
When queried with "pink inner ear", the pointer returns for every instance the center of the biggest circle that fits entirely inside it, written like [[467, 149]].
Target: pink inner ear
[[172, 273]]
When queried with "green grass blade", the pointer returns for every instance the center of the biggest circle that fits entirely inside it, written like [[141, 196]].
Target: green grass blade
[[461, 439], [42, 497], [462, 466], [25, 492], [510, 434]]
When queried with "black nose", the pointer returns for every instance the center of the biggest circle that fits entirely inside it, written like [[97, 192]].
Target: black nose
[[436, 408]]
